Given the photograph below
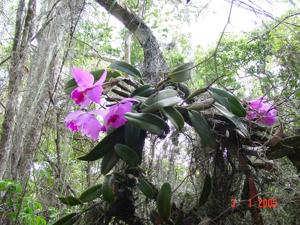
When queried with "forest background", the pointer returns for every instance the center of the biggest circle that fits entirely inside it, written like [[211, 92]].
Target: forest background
[[247, 48]]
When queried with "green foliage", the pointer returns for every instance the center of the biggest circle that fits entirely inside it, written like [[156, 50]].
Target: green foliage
[[147, 121], [67, 220], [161, 99], [19, 208], [126, 68], [174, 116], [181, 73], [127, 154], [163, 201], [205, 191], [146, 188], [105, 145], [203, 129], [91, 193], [107, 188], [229, 101]]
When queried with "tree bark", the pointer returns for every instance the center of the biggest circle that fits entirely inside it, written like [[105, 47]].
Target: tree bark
[[154, 64], [18, 58], [44, 72]]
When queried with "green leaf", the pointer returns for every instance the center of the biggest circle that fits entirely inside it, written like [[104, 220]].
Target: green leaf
[[147, 121], [127, 154], [144, 91], [162, 104], [70, 200], [181, 73], [71, 84], [132, 135], [109, 160], [160, 100], [229, 101], [105, 145], [126, 68], [205, 191], [202, 128], [67, 220], [174, 116], [146, 188], [91, 193], [233, 118], [107, 189], [164, 201]]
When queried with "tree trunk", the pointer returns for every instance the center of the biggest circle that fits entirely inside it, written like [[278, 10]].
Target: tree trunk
[[154, 64], [44, 72], [18, 58]]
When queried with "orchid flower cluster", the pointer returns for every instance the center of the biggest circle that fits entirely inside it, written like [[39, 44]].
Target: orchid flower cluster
[[86, 93], [262, 111]]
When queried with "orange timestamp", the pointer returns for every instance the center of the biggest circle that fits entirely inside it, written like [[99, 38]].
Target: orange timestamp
[[261, 203]]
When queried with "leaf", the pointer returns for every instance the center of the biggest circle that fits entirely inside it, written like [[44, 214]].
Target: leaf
[[160, 100], [196, 93], [162, 104], [174, 116], [107, 189], [202, 128], [164, 201], [181, 73], [132, 135], [70, 200], [143, 91], [126, 68], [203, 105], [91, 193], [147, 121], [146, 188], [109, 160], [127, 154], [67, 220], [71, 84], [234, 119], [105, 145], [229, 101], [205, 191]]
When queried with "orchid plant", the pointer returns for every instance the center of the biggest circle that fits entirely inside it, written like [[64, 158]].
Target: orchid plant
[[89, 92], [136, 109]]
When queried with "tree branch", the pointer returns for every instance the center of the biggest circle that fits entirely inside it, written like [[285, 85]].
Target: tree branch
[[154, 63]]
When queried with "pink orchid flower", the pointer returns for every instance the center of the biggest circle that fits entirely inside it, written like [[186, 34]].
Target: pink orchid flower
[[262, 111], [115, 115], [85, 122], [87, 91]]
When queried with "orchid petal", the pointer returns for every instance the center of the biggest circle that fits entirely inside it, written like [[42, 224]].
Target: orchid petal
[[80, 98], [129, 100], [95, 93], [91, 127], [262, 111], [102, 78], [83, 78], [71, 120]]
